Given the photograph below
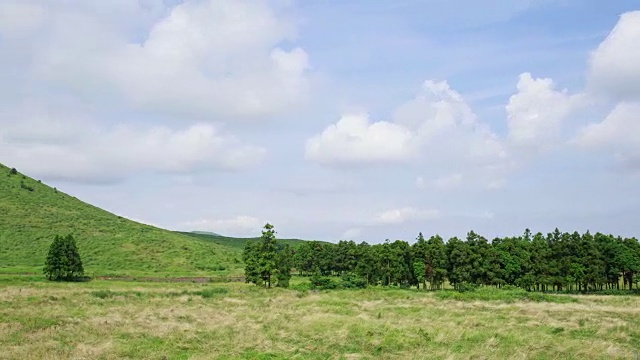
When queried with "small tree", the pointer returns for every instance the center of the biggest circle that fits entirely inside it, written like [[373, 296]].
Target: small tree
[[262, 260], [63, 260]]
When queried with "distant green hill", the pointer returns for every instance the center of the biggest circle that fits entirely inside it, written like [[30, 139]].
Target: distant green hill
[[205, 233], [234, 243], [31, 213]]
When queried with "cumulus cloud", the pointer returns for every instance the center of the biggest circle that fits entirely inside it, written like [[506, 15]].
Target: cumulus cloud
[[354, 139], [617, 134], [207, 59], [436, 129], [238, 226], [57, 146], [406, 214], [615, 64], [536, 112], [615, 75]]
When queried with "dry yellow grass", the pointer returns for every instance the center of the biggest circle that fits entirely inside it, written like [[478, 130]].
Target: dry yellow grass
[[181, 321]]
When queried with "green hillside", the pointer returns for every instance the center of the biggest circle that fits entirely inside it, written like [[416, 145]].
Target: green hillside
[[235, 243], [31, 213]]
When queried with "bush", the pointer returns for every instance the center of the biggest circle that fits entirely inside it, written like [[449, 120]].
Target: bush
[[350, 281], [322, 283]]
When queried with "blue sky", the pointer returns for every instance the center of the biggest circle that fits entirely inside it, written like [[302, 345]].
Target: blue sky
[[360, 120]]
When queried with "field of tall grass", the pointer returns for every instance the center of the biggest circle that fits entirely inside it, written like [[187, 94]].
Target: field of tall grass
[[115, 320]]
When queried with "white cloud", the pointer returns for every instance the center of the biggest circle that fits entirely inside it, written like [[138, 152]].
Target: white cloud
[[58, 146], [615, 74], [615, 64], [435, 130], [354, 139], [351, 234], [617, 134], [406, 214], [207, 59], [19, 18], [536, 112], [434, 111], [238, 226]]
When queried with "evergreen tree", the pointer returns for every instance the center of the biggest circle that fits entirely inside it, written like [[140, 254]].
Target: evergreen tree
[[283, 266], [436, 262], [250, 256], [63, 260], [459, 262], [265, 260]]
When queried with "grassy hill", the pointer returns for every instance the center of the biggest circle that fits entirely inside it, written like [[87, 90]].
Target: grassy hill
[[234, 243], [31, 214]]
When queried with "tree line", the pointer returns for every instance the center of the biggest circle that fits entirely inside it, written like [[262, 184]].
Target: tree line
[[557, 261]]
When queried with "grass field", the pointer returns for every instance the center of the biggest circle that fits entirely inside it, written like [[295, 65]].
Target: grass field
[[114, 320]]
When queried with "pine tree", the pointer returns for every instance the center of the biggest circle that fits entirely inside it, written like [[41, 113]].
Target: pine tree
[[63, 260], [264, 260], [283, 266], [250, 258]]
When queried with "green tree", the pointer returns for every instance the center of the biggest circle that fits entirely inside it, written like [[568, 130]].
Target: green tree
[[265, 260], [459, 265], [284, 262], [63, 260], [436, 262], [250, 256]]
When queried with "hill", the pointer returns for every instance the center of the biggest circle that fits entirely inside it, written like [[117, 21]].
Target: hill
[[234, 243], [32, 213]]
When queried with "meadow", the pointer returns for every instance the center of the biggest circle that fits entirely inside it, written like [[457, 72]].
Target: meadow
[[115, 320]]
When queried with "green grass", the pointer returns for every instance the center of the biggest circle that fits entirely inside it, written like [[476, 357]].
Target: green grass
[[508, 296], [31, 214], [115, 320]]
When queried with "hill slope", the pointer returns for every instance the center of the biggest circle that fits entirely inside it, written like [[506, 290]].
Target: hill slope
[[31, 213], [234, 243]]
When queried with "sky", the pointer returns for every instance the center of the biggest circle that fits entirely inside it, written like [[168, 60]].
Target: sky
[[350, 120]]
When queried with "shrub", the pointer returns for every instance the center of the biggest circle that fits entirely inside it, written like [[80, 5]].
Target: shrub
[[322, 283], [26, 187], [350, 281]]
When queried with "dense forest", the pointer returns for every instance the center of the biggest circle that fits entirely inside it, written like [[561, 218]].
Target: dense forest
[[558, 261]]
